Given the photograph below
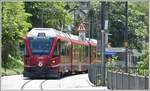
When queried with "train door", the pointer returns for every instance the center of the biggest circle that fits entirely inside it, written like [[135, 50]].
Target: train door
[[65, 64], [80, 58], [85, 59], [75, 60]]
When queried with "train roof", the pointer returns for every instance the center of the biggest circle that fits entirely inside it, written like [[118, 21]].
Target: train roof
[[51, 32]]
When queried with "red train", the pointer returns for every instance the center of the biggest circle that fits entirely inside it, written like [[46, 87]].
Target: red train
[[50, 53]]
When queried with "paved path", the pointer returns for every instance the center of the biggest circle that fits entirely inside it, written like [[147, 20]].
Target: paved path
[[18, 82]]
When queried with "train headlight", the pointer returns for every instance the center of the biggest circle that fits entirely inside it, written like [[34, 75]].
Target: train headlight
[[40, 64], [53, 61]]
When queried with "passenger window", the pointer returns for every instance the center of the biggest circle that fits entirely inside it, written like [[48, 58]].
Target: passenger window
[[62, 48], [56, 50]]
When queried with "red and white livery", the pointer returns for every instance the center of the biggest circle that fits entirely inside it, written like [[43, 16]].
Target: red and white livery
[[49, 53]]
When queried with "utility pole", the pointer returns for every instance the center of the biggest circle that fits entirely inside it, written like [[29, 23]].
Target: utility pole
[[126, 36], [90, 27], [91, 12], [104, 28], [149, 28], [102, 41]]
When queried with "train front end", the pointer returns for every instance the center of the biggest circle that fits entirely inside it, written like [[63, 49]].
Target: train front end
[[38, 58]]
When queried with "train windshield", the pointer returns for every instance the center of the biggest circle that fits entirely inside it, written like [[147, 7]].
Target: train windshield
[[40, 46]]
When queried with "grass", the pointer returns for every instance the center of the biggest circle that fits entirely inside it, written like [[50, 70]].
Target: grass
[[15, 71]]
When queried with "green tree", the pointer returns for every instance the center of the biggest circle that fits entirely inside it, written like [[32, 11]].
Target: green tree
[[137, 24], [143, 64], [14, 24], [138, 33], [116, 23], [137, 29], [48, 14]]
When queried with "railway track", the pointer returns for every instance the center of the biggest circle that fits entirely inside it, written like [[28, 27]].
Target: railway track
[[41, 85], [28, 82], [22, 87]]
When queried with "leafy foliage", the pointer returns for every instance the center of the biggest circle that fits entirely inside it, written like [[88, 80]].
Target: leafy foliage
[[143, 64], [48, 14], [116, 23], [14, 24], [137, 24]]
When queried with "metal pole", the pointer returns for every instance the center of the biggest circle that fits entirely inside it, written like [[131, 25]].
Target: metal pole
[[126, 37], [91, 24], [103, 57], [149, 30], [103, 12], [89, 36]]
